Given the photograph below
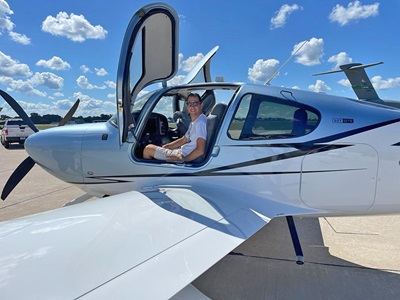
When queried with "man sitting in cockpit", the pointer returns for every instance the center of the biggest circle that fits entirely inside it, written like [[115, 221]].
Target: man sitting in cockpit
[[192, 144]]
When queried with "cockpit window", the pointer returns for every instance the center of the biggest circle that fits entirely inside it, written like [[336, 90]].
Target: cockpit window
[[137, 107], [141, 101], [260, 117]]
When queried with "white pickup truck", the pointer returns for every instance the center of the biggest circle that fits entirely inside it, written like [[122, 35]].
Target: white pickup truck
[[14, 131]]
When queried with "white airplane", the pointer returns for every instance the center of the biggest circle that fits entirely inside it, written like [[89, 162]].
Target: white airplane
[[271, 152]]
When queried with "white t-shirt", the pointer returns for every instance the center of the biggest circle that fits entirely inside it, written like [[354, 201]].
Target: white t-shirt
[[197, 129]]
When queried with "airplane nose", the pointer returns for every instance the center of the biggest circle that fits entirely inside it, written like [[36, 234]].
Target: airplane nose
[[58, 150]]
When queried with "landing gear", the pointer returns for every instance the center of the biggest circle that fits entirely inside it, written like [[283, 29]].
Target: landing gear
[[295, 240]]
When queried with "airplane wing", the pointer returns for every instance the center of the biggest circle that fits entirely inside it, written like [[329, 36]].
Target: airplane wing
[[148, 245]]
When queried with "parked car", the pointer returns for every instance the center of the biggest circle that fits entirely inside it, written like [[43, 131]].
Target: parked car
[[14, 131]]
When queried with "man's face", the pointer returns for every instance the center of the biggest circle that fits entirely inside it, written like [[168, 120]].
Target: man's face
[[194, 106]]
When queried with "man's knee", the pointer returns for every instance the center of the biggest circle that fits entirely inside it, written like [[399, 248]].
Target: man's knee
[[148, 152]]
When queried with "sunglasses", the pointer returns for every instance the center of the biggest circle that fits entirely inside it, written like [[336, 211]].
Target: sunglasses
[[193, 104]]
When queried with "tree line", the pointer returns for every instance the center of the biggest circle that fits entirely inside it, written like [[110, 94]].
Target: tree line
[[51, 118]]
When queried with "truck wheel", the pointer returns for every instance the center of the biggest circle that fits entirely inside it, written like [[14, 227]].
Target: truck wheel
[[6, 144]]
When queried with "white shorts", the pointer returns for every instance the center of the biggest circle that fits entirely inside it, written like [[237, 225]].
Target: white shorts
[[163, 153]]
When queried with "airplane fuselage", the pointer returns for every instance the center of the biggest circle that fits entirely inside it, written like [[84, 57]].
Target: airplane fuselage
[[350, 156]]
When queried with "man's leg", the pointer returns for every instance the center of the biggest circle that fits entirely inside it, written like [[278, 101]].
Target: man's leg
[[149, 151]]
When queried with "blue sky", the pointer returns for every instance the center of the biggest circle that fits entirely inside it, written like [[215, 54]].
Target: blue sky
[[53, 52]]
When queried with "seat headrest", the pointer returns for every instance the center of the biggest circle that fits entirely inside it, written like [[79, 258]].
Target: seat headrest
[[300, 115], [218, 109]]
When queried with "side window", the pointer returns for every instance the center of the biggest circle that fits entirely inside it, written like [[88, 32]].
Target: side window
[[262, 117]]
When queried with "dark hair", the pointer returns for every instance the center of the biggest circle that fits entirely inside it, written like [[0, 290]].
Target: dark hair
[[195, 95]]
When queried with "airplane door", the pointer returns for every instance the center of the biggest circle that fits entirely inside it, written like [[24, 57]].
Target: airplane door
[[149, 54], [329, 179]]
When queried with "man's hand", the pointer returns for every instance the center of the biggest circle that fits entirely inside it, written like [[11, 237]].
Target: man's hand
[[177, 157]]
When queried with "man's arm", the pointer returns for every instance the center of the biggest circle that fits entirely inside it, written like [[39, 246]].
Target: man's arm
[[176, 144], [198, 151]]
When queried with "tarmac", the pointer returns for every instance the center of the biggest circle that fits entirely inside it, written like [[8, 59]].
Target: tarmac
[[345, 258]]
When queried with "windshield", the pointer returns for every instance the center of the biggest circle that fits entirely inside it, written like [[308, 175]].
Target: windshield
[[137, 107]]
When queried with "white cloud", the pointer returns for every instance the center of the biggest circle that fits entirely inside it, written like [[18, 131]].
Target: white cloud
[[319, 87], [83, 83], [84, 69], [81, 96], [91, 104], [354, 12], [47, 79], [384, 84], [65, 104], [54, 63], [378, 82], [142, 93], [345, 82], [280, 18], [93, 107], [8, 25], [180, 58], [10, 67], [25, 87], [111, 84], [6, 80], [175, 80], [311, 53], [100, 72], [58, 94], [262, 70], [74, 27], [340, 59], [112, 96], [5, 21], [19, 38], [189, 63]]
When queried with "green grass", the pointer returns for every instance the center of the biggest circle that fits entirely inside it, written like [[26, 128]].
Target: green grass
[[45, 126]]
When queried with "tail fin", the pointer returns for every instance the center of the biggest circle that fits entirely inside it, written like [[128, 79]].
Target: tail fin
[[359, 80]]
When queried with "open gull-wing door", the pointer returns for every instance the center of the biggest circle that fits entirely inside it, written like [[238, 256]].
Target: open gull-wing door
[[201, 71], [149, 54]]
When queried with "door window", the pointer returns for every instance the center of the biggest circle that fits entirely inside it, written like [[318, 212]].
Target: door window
[[263, 117]]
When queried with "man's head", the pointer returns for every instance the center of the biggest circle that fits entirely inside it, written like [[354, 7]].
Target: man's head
[[194, 105]]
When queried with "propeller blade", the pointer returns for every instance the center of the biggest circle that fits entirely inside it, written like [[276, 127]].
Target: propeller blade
[[18, 109], [17, 176], [28, 163], [69, 114]]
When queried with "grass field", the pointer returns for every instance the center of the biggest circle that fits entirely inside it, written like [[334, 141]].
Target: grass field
[[45, 126]]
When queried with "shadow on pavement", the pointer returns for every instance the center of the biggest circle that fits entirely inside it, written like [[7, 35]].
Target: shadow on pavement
[[264, 267]]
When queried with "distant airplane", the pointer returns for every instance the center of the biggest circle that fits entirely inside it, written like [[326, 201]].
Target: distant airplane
[[361, 84], [271, 152]]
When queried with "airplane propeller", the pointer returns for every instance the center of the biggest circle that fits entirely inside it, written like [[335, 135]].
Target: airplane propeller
[[18, 109], [28, 163]]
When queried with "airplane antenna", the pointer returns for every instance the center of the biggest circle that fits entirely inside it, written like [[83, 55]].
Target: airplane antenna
[[276, 73]]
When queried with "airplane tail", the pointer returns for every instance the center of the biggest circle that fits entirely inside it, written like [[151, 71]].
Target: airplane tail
[[359, 80]]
